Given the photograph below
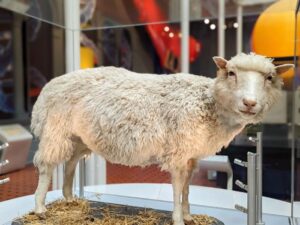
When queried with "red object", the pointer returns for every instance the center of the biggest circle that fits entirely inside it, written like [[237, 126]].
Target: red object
[[166, 38], [34, 92]]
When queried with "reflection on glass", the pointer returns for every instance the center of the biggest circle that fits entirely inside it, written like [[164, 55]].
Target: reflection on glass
[[7, 105], [41, 69], [95, 13], [51, 11], [136, 12]]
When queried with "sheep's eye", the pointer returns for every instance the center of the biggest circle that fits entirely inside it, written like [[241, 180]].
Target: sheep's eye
[[269, 77], [231, 73]]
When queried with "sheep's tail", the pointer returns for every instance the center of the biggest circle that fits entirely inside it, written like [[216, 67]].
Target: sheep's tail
[[39, 116]]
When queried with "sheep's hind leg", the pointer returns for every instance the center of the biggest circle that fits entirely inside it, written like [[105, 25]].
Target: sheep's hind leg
[[177, 182], [185, 193], [69, 171], [45, 174]]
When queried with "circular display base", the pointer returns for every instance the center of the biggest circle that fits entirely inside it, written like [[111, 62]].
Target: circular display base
[[81, 212]]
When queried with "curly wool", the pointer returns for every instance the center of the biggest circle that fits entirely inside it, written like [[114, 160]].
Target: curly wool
[[252, 62]]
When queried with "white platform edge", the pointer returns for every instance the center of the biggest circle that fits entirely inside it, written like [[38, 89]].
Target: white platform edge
[[199, 196], [202, 196]]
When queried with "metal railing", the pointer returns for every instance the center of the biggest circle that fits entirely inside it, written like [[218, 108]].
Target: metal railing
[[4, 163], [254, 183]]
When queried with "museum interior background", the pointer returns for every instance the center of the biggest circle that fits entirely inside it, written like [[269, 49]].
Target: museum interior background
[[144, 36]]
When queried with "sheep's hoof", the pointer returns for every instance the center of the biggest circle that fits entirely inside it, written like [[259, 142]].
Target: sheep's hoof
[[69, 199], [41, 216], [188, 219], [178, 223], [189, 222], [40, 210]]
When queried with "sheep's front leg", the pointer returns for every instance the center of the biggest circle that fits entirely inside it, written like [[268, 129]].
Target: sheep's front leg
[[185, 193], [177, 182]]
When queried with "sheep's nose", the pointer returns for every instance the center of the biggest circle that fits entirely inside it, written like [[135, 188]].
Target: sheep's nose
[[249, 102]]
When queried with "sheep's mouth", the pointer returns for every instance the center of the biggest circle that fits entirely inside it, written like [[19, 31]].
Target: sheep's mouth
[[250, 113]]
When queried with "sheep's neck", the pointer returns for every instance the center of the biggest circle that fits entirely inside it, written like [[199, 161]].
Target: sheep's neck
[[228, 123], [228, 119]]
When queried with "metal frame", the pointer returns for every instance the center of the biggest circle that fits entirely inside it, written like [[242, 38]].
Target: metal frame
[[221, 28], [254, 183], [18, 51], [4, 163], [259, 175], [251, 188], [185, 32], [239, 30]]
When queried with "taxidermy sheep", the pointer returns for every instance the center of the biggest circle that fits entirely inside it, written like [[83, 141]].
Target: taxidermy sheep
[[141, 119]]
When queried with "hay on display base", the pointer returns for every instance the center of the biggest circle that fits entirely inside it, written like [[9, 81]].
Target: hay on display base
[[82, 212]]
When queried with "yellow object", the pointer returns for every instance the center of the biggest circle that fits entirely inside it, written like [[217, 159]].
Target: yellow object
[[86, 58], [274, 33]]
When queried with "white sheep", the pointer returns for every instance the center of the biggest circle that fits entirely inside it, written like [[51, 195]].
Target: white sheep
[[142, 119]]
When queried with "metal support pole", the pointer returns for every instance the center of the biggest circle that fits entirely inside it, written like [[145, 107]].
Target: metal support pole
[[239, 30], [185, 32], [81, 177], [72, 42], [19, 81], [72, 22], [95, 167], [229, 180], [221, 30], [259, 164], [251, 178]]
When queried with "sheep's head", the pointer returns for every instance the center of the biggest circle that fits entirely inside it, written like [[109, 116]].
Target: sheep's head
[[248, 85]]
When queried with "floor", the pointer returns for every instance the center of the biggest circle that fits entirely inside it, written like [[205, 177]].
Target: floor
[[152, 174], [24, 182]]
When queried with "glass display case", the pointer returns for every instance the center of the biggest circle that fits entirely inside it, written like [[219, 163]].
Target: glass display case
[[146, 37]]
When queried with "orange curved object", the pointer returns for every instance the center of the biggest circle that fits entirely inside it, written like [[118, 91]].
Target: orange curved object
[[274, 33]]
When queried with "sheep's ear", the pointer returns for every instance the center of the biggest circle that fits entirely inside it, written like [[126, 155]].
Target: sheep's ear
[[283, 68], [220, 62]]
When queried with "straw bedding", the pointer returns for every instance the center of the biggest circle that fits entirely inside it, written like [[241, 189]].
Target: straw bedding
[[82, 212]]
